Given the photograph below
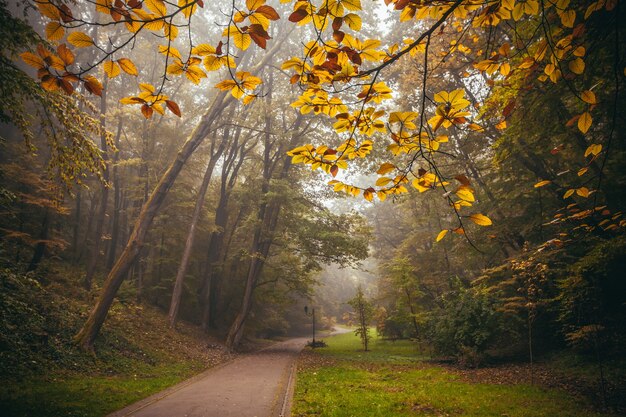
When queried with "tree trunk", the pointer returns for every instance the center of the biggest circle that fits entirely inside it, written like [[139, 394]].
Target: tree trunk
[[184, 263], [104, 194], [212, 277], [115, 222], [76, 228], [88, 333], [267, 216], [40, 247]]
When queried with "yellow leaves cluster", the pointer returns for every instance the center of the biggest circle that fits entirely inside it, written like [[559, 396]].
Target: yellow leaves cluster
[[259, 16], [319, 102], [242, 86], [112, 68], [367, 122], [582, 192], [450, 110], [53, 69], [376, 92], [150, 101]]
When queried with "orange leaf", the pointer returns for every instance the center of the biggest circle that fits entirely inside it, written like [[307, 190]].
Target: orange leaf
[[173, 107]]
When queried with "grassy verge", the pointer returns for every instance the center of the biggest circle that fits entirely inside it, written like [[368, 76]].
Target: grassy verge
[[391, 380], [86, 396], [45, 374]]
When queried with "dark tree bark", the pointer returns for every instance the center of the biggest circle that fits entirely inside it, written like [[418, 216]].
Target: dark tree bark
[[40, 247], [76, 226], [104, 195], [117, 202]]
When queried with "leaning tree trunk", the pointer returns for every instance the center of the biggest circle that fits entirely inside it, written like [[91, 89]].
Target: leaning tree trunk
[[87, 335], [184, 263]]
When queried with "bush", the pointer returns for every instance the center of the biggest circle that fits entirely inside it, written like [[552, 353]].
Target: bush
[[593, 298], [465, 325]]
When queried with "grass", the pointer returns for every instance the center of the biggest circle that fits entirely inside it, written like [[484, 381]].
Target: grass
[[87, 396], [391, 380], [44, 374]]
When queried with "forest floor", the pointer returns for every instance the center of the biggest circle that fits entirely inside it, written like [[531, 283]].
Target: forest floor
[[44, 374], [396, 379]]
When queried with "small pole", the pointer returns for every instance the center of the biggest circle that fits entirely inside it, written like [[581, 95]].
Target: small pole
[[313, 327]]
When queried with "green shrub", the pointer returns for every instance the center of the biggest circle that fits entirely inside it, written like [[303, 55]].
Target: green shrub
[[465, 325]]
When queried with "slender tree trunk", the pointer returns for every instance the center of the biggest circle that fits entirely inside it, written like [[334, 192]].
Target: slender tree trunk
[[268, 217], [115, 222], [184, 263], [104, 194], [91, 215], [213, 277], [76, 229], [40, 247]]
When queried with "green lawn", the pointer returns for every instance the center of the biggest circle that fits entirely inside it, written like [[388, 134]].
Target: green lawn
[[341, 380], [87, 396]]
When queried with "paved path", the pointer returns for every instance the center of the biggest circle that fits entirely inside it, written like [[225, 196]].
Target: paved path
[[254, 385]]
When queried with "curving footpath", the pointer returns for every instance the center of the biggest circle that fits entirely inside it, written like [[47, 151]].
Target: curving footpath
[[253, 385]]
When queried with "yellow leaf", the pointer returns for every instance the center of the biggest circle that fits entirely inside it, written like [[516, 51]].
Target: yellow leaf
[[353, 21], [203, 49], [568, 193], [593, 149], [54, 31], [80, 39], [33, 60], [352, 5], [111, 69], [48, 9], [480, 219], [385, 168], [441, 235], [583, 192], [241, 40], [148, 88], [128, 66], [156, 6], [65, 54], [568, 17], [254, 4], [226, 85], [582, 171], [382, 181], [584, 122], [505, 69], [466, 194], [577, 66], [588, 97], [542, 183]]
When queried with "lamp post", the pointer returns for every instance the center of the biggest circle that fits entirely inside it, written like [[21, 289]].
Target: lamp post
[[306, 311]]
